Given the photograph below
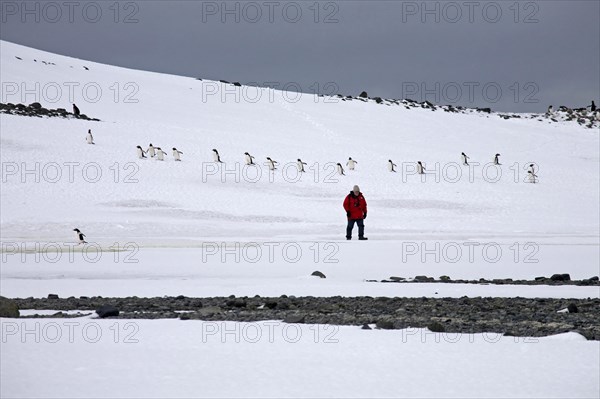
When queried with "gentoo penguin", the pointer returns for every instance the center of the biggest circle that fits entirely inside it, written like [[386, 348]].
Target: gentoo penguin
[[550, 110], [464, 158], [271, 163], [249, 159], [76, 110], [340, 169], [141, 152], [420, 168], [531, 168], [593, 106], [496, 160], [151, 151], [216, 156], [176, 154], [391, 166], [160, 154], [532, 176], [80, 236], [300, 165], [351, 163], [90, 138]]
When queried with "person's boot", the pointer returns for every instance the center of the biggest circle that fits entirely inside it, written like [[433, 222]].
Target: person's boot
[[362, 238]]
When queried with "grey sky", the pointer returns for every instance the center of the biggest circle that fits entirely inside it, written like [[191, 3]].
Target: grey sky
[[536, 52]]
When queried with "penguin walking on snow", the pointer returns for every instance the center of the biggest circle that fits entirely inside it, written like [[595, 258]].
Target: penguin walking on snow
[[249, 159], [80, 236], [497, 159], [532, 176], [420, 168], [351, 164], [300, 165], [271, 163], [176, 154], [464, 158], [216, 156], [90, 138], [141, 152], [160, 154], [340, 169], [151, 151], [391, 166]]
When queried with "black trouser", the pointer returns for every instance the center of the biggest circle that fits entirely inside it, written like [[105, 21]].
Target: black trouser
[[361, 227]]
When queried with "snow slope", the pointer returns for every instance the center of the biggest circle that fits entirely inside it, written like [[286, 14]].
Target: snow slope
[[170, 228]]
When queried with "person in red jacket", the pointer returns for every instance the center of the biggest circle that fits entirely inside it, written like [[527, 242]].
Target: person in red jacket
[[356, 211]]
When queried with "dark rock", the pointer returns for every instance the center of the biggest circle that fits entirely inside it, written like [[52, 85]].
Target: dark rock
[[378, 100], [35, 105], [444, 278], [295, 319], [107, 311], [560, 277], [8, 308], [595, 278], [318, 274], [363, 95], [486, 110], [540, 278], [423, 279], [394, 278], [52, 296], [435, 326], [224, 81], [238, 84], [572, 308], [384, 324], [366, 327]]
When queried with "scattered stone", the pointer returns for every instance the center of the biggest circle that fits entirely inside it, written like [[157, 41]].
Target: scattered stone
[[238, 84], [366, 327], [572, 308], [318, 274], [295, 319], [394, 278], [444, 278], [107, 311], [384, 324], [363, 95], [560, 277], [435, 326], [8, 308], [52, 296]]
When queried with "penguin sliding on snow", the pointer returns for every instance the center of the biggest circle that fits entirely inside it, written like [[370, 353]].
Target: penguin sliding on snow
[[340, 169], [351, 164], [216, 156], [391, 166], [90, 138], [497, 160], [151, 151], [160, 154], [176, 154], [141, 152], [249, 159], [300, 165], [464, 158], [80, 236], [271, 163], [420, 168]]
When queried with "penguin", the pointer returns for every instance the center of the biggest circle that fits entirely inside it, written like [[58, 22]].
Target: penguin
[[464, 158], [593, 106], [496, 160], [176, 154], [140, 152], [80, 236], [550, 110], [531, 168], [420, 168], [151, 151], [216, 156], [532, 176], [76, 110], [90, 138], [160, 154], [351, 164], [272, 163], [391, 166], [340, 169], [249, 159], [300, 165]]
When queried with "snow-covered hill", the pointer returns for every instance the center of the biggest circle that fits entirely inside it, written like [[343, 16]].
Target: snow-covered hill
[[199, 228]]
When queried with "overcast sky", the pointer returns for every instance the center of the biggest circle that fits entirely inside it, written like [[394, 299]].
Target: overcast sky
[[507, 55]]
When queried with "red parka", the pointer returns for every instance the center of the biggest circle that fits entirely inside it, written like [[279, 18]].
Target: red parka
[[356, 205]]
